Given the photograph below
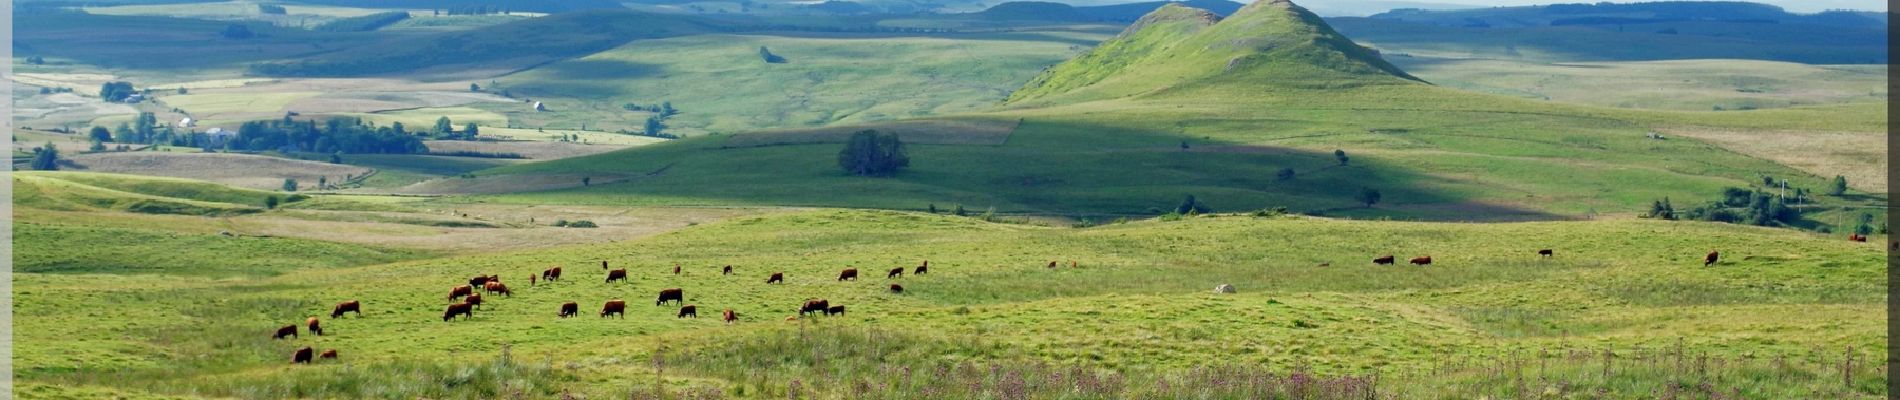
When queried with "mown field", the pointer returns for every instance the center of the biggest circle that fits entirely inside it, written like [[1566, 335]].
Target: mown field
[[1779, 318]]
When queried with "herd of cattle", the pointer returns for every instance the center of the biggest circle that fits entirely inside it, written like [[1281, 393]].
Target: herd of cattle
[[469, 300]]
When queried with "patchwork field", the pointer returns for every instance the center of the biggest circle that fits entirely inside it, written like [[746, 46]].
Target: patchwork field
[[1697, 85], [241, 170]]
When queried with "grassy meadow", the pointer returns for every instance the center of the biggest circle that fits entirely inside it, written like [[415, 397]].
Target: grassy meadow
[[1779, 315]]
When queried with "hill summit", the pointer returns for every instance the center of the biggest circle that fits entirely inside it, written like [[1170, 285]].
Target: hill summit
[[1174, 49]]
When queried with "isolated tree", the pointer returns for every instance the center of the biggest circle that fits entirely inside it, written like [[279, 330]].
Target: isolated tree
[[471, 130], [1184, 145], [336, 158], [667, 110], [870, 153], [1284, 174], [46, 158], [654, 127], [237, 31], [958, 211], [1190, 206], [115, 90], [474, 87], [770, 58], [323, 181], [1838, 186], [290, 184], [442, 125], [100, 134], [182, 90], [1369, 196], [587, 181], [1341, 156], [270, 202]]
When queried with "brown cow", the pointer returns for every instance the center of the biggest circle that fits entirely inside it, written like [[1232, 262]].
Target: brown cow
[[614, 307], [1711, 258], [474, 299], [617, 275], [1546, 253], [689, 311], [315, 328], [498, 287], [674, 294], [895, 273], [727, 271], [813, 306], [777, 277], [838, 310], [286, 331], [849, 273], [551, 274], [330, 354], [730, 316], [302, 356], [1426, 260], [464, 309], [570, 309], [896, 288], [530, 280], [1052, 264], [1856, 237], [603, 265], [1386, 260], [459, 291], [676, 269], [479, 280], [922, 269], [347, 306]]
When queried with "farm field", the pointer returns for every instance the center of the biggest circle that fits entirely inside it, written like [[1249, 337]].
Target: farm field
[[1696, 85]]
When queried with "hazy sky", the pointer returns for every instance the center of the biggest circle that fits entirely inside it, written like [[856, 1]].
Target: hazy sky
[[1802, 6]]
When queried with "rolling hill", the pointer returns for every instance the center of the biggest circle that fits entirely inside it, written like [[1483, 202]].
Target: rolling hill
[[1243, 113], [495, 48]]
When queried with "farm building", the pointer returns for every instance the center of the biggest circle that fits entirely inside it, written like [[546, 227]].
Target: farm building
[[539, 107], [187, 123]]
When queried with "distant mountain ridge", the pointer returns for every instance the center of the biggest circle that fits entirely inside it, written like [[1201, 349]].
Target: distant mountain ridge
[[1121, 13], [1632, 13]]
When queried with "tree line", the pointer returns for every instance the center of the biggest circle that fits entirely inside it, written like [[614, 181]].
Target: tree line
[[336, 135]]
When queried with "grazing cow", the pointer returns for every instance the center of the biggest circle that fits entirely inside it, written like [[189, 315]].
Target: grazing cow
[[837, 310], [474, 300], [896, 288], [727, 271], [777, 277], [464, 309], [1426, 260], [689, 311], [1052, 264], [676, 269], [1857, 237], [674, 295], [302, 356], [479, 280], [848, 274], [895, 273], [459, 291], [315, 328], [347, 306], [286, 331], [614, 307], [922, 269], [570, 309], [551, 274], [730, 316], [813, 306], [330, 354], [530, 280], [1072, 264], [1711, 258], [617, 275], [1387, 260], [603, 265], [1546, 253], [498, 287]]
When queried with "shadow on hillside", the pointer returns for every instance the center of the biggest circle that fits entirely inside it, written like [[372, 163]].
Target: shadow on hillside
[[1046, 168]]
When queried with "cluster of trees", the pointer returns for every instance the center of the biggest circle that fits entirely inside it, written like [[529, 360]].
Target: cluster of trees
[[51, 90], [237, 31], [337, 135], [271, 9], [364, 23], [45, 158], [869, 153], [1736, 206], [35, 60], [655, 125], [445, 130], [116, 90], [769, 57]]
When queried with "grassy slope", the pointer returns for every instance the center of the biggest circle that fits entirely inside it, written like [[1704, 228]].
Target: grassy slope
[[505, 46], [827, 79], [1110, 143], [1138, 301]]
